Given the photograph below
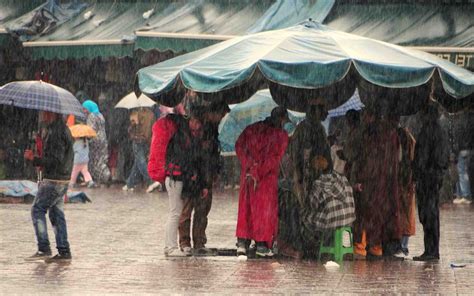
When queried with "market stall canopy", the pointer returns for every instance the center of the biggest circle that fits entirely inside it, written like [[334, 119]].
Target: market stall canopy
[[12, 10], [442, 28], [103, 29], [198, 24], [305, 62], [44, 19], [116, 28]]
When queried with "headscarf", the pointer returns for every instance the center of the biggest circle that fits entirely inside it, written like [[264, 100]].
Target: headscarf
[[91, 107]]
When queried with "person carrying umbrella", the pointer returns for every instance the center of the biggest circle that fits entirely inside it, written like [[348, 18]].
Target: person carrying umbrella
[[260, 149], [56, 162], [140, 130], [81, 134]]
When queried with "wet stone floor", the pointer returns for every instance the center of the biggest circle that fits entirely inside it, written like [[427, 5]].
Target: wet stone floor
[[117, 247]]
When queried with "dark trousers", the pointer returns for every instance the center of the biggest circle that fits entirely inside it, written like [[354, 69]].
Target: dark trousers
[[427, 196], [201, 207]]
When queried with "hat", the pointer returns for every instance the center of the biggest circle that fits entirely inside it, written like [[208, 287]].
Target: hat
[[280, 112]]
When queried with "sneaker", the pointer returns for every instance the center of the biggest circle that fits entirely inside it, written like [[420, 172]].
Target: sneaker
[[405, 252], [126, 188], [176, 252], [65, 257], [466, 201], [153, 186], [203, 251], [91, 184], [188, 251], [398, 256], [426, 257], [458, 200], [241, 251], [39, 256], [263, 252]]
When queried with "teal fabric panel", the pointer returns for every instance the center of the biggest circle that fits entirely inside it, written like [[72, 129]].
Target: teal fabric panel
[[305, 56], [80, 51], [414, 24]]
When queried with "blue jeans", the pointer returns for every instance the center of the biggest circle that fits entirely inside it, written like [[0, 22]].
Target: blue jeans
[[463, 187], [50, 198], [140, 165]]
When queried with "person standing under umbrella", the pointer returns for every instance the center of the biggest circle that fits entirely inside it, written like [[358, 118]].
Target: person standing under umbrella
[[81, 162], [260, 149], [431, 160], [56, 162], [99, 153], [140, 130]]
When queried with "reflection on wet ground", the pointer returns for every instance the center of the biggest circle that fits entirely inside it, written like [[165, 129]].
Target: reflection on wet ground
[[117, 248]]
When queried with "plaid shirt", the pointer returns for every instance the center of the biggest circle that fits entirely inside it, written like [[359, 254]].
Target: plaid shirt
[[331, 203]]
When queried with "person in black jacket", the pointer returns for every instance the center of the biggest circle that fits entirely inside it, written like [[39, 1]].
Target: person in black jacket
[[431, 160], [56, 164], [207, 167]]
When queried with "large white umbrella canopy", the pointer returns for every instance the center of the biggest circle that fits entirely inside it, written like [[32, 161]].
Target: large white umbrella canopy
[[131, 101]]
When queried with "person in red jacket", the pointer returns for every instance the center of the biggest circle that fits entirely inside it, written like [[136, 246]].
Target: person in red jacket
[[174, 161], [260, 149]]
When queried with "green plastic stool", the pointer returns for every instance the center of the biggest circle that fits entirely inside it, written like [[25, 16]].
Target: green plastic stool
[[338, 249]]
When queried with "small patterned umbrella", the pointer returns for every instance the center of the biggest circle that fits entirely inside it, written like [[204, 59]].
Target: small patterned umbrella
[[39, 95], [82, 131]]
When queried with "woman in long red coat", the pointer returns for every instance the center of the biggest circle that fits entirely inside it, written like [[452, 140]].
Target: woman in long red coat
[[260, 149]]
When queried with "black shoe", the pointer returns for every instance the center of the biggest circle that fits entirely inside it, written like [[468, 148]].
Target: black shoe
[[242, 246], [372, 257], [393, 258], [426, 257], [39, 256], [205, 252], [65, 257]]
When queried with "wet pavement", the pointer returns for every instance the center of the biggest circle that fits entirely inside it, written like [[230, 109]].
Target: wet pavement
[[117, 247]]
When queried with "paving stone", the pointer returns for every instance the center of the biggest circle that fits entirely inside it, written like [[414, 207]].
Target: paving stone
[[117, 246]]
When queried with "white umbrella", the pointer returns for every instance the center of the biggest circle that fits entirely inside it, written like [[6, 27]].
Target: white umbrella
[[130, 101]]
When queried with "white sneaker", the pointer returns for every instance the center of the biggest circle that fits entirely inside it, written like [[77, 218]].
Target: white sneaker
[[188, 251], [175, 252], [126, 188], [461, 200], [153, 186], [241, 251]]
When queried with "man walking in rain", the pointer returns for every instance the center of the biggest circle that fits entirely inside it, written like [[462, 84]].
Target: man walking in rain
[[260, 149], [56, 162], [431, 159]]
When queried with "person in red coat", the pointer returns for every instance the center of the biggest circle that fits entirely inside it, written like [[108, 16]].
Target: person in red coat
[[260, 149]]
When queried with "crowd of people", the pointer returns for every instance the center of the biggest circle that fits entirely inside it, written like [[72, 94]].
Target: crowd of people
[[295, 190]]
